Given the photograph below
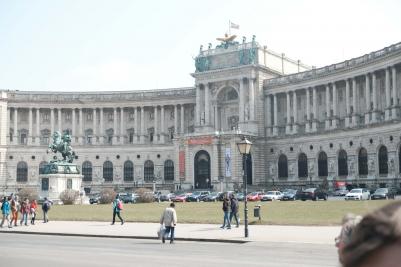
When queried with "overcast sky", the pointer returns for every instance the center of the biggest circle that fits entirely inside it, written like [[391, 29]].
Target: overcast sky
[[95, 45]]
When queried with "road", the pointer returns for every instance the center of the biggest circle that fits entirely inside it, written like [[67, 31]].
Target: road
[[40, 250]]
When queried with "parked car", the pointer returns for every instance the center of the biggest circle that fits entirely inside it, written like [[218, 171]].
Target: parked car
[[358, 194], [313, 194], [254, 196], [340, 192], [180, 198], [129, 197], [383, 193], [212, 197], [291, 194], [94, 199], [197, 196], [271, 196], [240, 196], [167, 197]]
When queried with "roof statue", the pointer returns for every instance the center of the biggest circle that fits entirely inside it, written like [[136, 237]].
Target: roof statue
[[227, 38]]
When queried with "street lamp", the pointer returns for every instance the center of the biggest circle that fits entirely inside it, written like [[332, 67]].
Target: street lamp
[[244, 148]]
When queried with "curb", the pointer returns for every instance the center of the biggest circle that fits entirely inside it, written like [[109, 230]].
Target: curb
[[128, 237]]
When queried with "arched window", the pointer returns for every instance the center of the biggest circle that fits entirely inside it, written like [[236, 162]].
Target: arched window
[[282, 166], [42, 167], [342, 163], [148, 171], [363, 162], [169, 170], [322, 164], [108, 171], [22, 172], [383, 160], [87, 171], [302, 165], [128, 171]]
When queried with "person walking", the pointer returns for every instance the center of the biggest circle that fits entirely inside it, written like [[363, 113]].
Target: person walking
[[45, 208], [33, 208], [5, 210], [169, 219], [234, 209], [14, 205], [117, 208], [25, 209], [226, 210]]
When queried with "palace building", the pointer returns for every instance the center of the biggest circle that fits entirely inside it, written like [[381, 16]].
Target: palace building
[[308, 126]]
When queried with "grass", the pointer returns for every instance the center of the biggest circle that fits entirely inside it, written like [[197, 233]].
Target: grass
[[279, 213]]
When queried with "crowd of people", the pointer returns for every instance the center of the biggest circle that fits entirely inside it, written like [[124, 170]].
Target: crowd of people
[[12, 208]]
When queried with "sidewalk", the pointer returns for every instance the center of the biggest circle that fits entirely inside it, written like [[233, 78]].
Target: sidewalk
[[194, 232]]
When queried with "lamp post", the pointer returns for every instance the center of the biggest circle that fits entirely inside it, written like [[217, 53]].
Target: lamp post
[[244, 148]]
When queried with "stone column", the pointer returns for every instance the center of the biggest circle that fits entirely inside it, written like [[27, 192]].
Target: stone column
[[347, 105], [268, 115], [143, 130], [73, 130], [241, 101], [387, 116], [374, 98], [314, 122], [137, 132], [395, 96], [122, 128], [15, 140], [307, 124], [252, 99], [81, 128], [51, 121], [354, 104], [162, 127], [37, 141], [115, 132], [101, 130], [334, 121], [207, 105], [59, 120], [295, 112], [94, 126], [327, 123], [367, 98], [156, 118], [275, 126], [197, 107], [30, 134], [288, 125], [182, 129]]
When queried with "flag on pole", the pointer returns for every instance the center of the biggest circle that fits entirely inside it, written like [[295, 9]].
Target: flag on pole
[[234, 26]]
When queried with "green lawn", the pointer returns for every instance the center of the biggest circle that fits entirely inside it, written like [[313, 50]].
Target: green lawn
[[282, 213]]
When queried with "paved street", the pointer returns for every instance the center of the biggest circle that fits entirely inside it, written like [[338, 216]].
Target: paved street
[[39, 251]]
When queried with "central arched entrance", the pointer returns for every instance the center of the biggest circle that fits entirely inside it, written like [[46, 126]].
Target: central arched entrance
[[202, 169]]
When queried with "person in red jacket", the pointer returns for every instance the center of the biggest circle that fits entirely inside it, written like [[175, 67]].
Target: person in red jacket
[[25, 209], [33, 207]]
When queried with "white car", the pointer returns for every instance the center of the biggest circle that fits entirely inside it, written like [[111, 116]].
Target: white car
[[358, 194], [272, 195]]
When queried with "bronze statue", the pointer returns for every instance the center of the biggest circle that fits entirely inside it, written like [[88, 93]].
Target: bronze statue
[[62, 144]]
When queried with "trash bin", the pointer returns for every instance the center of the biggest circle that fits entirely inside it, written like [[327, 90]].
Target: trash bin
[[256, 212]]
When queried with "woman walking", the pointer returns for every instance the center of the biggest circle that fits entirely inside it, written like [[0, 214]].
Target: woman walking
[[14, 205], [226, 210], [5, 210], [33, 207], [25, 209]]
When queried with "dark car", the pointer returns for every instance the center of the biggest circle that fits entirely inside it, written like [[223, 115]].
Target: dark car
[[94, 199], [167, 197], [291, 194], [197, 196], [383, 193], [313, 194], [129, 197], [212, 197]]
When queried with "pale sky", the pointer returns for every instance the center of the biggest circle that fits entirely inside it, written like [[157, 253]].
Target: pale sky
[[112, 45]]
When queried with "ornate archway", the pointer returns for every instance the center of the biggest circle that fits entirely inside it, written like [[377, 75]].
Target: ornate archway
[[202, 169]]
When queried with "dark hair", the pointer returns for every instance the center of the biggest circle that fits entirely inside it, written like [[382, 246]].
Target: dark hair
[[172, 204], [377, 230]]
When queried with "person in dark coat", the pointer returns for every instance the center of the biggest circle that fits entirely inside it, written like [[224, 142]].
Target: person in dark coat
[[234, 209], [226, 210]]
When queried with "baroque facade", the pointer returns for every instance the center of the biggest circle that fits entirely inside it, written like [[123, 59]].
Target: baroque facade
[[308, 126]]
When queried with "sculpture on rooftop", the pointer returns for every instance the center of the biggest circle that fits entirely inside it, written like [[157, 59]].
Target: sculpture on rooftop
[[226, 41]]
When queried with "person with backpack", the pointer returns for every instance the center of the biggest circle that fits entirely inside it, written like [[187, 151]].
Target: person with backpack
[[5, 210], [25, 209], [117, 208], [234, 209], [46, 207]]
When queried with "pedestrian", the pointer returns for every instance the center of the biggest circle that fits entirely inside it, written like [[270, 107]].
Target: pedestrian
[[33, 207], [117, 208], [45, 208], [25, 209], [376, 240], [5, 211], [169, 219], [14, 205], [226, 210], [349, 222], [234, 209]]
